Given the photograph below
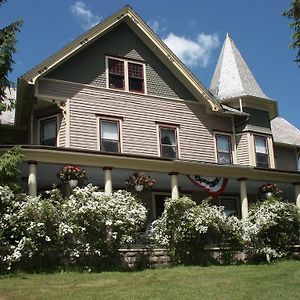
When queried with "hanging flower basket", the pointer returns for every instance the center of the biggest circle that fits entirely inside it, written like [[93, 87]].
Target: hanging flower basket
[[139, 181], [268, 191], [72, 175]]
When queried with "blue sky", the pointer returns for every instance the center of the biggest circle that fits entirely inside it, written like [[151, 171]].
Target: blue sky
[[194, 29]]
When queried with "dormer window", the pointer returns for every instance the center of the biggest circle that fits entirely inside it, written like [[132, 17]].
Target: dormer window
[[126, 75]]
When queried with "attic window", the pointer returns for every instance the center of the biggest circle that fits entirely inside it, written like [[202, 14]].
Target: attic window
[[127, 75], [116, 74]]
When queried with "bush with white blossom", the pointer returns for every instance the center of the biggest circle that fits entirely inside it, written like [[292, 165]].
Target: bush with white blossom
[[272, 228], [96, 224], [85, 229], [186, 228]]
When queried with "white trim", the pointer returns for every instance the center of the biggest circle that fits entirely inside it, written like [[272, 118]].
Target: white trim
[[270, 149], [126, 60], [68, 125], [168, 125], [56, 116], [120, 129]]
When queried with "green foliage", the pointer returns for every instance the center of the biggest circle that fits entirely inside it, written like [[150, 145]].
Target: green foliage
[[9, 172], [186, 229], [294, 14], [7, 49]]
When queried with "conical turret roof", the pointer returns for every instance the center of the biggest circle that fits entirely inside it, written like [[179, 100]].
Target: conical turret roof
[[232, 77]]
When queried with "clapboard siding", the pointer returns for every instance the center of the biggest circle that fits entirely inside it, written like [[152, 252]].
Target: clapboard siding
[[139, 114], [88, 66], [242, 149], [285, 158]]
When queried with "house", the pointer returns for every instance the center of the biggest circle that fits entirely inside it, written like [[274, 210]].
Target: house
[[116, 101]]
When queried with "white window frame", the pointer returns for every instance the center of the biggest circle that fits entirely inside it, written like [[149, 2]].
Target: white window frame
[[231, 146], [112, 119], [236, 198], [171, 126], [55, 116], [126, 77], [267, 145]]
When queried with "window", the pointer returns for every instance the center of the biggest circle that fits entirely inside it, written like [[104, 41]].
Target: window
[[168, 142], [110, 136], [261, 152], [48, 131], [116, 74], [230, 205], [126, 75], [224, 153]]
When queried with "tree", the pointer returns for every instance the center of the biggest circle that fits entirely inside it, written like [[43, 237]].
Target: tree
[[7, 49], [294, 14]]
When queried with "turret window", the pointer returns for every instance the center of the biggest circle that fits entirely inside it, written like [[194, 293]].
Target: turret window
[[261, 152]]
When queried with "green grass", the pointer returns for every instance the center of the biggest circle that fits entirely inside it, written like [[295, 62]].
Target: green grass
[[276, 281]]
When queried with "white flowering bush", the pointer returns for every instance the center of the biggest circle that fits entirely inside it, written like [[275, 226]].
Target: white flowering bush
[[28, 230], [85, 229], [95, 224], [272, 228], [186, 228]]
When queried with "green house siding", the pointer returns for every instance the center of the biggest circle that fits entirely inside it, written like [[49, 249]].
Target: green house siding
[[88, 66]]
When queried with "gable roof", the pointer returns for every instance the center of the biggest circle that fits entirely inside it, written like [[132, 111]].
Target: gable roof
[[232, 76], [284, 132], [128, 15]]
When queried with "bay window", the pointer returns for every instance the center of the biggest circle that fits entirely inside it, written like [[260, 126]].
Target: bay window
[[261, 151]]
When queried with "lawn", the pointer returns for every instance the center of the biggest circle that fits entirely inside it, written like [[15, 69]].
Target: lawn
[[276, 281]]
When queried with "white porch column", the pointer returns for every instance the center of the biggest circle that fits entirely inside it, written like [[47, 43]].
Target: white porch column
[[174, 185], [297, 194], [243, 197], [107, 180], [32, 182]]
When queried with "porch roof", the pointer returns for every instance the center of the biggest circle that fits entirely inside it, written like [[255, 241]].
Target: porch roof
[[80, 157]]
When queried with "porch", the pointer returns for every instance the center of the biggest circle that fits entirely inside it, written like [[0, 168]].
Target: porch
[[109, 171]]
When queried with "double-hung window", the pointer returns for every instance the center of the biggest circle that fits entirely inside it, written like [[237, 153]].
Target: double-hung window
[[224, 149], [48, 131], [126, 75], [261, 151], [168, 142], [110, 135]]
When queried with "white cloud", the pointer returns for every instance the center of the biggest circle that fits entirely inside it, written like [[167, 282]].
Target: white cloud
[[193, 52], [84, 15], [158, 26]]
